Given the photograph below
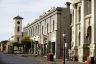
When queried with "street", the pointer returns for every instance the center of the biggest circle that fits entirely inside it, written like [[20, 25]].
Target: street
[[13, 59], [16, 59]]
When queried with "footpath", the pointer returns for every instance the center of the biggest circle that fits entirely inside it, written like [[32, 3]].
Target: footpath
[[42, 59], [45, 61]]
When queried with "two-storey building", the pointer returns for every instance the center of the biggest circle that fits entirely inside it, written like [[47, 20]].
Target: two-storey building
[[49, 27], [83, 29]]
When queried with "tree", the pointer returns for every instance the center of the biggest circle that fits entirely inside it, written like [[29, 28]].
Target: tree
[[10, 47], [10, 43], [49, 47], [26, 40], [0, 43], [4, 41], [26, 44]]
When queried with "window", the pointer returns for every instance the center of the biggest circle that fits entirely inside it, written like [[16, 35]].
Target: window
[[18, 22], [89, 35], [31, 31], [27, 33], [38, 29], [17, 39], [18, 29], [79, 38], [88, 7], [47, 27], [79, 14], [42, 29], [73, 17], [53, 25]]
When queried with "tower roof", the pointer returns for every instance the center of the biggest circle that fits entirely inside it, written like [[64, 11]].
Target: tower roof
[[68, 3], [17, 17]]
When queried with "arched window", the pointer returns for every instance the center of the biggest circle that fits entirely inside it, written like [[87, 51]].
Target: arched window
[[18, 29], [89, 35]]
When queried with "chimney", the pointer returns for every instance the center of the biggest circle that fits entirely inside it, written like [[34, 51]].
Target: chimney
[[68, 5]]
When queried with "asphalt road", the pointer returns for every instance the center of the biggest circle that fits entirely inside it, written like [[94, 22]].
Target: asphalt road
[[13, 59]]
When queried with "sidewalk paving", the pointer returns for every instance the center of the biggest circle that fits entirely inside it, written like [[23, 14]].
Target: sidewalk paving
[[56, 61], [45, 61]]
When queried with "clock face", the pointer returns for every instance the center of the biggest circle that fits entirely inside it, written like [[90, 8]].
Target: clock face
[[18, 22]]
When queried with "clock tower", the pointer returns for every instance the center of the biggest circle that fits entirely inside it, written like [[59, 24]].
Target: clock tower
[[17, 29]]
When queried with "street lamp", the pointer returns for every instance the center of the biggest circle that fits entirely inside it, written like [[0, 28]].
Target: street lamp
[[64, 45], [65, 49]]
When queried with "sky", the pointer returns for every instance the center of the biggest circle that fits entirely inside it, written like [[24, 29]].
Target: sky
[[28, 9]]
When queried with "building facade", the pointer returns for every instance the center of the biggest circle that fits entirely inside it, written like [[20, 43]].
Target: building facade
[[49, 27], [83, 29]]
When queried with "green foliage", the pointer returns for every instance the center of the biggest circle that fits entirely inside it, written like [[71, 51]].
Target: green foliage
[[4, 41], [26, 40], [49, 46], [10, 43]]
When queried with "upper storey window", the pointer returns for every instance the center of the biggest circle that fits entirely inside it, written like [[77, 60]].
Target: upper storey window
[[47, 27], [33, 31], [18, 29], [18, 22], [87, 7], [79, 14], [53, 25], [42, 29], [38, 29]]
